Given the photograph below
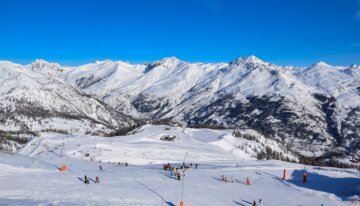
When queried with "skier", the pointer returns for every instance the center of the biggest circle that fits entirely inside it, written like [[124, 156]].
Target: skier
[[97, 180], [254, 203], [196, 165], [86, 180], [171, 173], [100, 168]]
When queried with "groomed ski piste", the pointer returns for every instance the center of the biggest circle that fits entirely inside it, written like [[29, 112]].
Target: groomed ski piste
[[32, 176]]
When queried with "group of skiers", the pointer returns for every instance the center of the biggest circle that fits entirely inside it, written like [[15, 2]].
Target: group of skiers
[[168, 166], [174, 171], [123, 163], [191, 165], [97, 179]]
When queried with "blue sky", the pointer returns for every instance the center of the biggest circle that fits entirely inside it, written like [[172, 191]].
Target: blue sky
[[285, 32]]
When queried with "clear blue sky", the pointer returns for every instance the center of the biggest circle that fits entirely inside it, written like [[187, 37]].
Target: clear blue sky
[[72, 32]]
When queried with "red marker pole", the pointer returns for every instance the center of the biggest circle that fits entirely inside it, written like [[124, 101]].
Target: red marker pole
[[284, 175], [305, 177], [247, 181]]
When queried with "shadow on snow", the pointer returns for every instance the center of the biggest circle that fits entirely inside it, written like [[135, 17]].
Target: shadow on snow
[[342, 187]]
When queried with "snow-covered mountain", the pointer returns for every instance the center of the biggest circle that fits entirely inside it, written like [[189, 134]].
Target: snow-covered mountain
[[33, 99], [312, 111]]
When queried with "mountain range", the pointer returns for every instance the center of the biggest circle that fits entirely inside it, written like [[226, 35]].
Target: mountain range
[[312, 112]]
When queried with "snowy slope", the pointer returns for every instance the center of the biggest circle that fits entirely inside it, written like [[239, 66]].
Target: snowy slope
[[144, 182]]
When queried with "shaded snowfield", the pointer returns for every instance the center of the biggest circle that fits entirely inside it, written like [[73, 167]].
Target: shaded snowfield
[[31, 177]]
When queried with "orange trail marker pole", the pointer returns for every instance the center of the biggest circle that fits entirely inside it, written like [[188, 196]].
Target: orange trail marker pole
[[181, 203]]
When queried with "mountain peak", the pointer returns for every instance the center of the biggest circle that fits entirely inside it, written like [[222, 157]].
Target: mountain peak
[[170, 60], [106, 61], [39, 62], [354, 66], [40, 65], [321, 64], [248, 59], [167, 62]]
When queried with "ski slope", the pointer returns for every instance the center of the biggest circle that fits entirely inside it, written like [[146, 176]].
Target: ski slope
[[32, 176]]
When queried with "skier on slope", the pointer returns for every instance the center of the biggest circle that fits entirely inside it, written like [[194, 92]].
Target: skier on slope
[[97, 179], [254, 203], [171, 173], [86, 180]]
